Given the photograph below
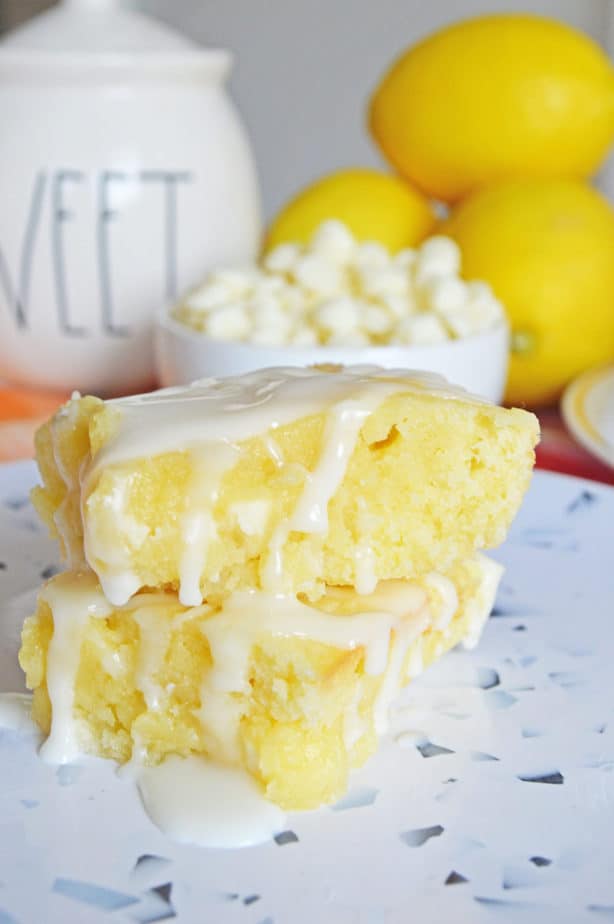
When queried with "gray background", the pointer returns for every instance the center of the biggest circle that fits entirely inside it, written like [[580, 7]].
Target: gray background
[[304, 68]]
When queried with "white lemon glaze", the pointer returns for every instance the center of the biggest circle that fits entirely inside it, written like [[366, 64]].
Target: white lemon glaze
[[391, 622], [71, 608], [393, 617], [209, 419]]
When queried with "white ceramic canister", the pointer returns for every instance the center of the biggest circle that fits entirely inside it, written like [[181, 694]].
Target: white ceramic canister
[[125, 174]]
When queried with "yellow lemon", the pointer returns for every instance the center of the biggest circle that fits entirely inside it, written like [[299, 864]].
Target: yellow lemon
[[375, 206], [493, 98], [547, 249]]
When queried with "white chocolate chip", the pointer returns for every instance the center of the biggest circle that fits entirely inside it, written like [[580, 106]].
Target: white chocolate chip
[[294, 302], [319, 276], [268, 313], [405, 258], [371, 254], [229, 322], [460, 324], [282, 258], [375, 320], [379, 281], [438, 256], [267, 286], [400, 306], [339, 316], [422, 329], [446, 294], [334, 241], [269, 336], [304, 337], [236, 281], [209, 296], [354, 338]]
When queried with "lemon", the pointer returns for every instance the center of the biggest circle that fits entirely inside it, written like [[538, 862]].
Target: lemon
[[547, 249], [375, 206], [496, 97]]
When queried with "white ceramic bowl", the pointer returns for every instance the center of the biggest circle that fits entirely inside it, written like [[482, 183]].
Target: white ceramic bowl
[[477, 363]]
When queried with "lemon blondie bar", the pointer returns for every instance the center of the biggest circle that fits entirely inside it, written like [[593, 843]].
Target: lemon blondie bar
[[294, 693], [258, 565], [283, 480]]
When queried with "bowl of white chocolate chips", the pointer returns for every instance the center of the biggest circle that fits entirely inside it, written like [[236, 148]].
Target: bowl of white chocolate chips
[[338, 300]]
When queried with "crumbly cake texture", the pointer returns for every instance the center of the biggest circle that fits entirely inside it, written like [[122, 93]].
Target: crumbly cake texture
[[307, 710], [430, 480]]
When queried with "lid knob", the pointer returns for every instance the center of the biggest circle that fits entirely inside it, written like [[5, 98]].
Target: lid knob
[[88, 33], [91, 4]]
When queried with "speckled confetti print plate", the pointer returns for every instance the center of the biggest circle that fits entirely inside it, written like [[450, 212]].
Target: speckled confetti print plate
[[495, 803]]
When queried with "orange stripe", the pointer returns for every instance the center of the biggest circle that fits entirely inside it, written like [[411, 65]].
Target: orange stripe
[[24, 404]]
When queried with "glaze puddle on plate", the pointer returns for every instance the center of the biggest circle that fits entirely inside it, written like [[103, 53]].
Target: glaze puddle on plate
[[197, 802]]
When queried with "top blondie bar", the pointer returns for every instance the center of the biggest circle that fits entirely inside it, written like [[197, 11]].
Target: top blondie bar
[[285, 480]]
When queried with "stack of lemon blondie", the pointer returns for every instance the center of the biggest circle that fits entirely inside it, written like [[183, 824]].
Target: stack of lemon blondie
[[257, 565]]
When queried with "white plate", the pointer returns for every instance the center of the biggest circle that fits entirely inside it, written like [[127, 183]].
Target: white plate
[[454, 838], [588, 411]]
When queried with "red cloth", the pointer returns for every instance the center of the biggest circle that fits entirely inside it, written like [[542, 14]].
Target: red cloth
[[559, 452]]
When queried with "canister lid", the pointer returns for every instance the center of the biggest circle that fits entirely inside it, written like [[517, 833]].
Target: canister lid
[[85, 36]]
